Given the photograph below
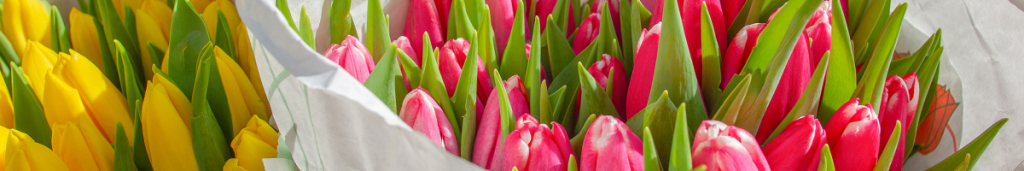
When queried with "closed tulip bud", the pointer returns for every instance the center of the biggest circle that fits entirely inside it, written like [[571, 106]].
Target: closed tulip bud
[[789, 89], [487, 150], [423, 19], [242, 98], [533, 146], [61, 101], [424, 115], [643, 71], [82, 29], [503, 14], [167, 136], [103, 102], [255, 142], [352, 56], [586, 33], [37, 61], [81, 145], [798, 147], [690, 10], [544, 9], [24, 154], [610, 145], [247, 61], [25, 21], [819, 31], [450, 59], [853, 134], [154, 26], [896, 106], [725, 147], [739, 49], [602, 71]]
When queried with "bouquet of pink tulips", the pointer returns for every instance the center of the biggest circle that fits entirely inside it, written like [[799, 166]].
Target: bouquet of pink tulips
[[653, 84]]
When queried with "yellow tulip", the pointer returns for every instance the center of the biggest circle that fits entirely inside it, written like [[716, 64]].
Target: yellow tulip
[[6, 109], [23, 153], [242, 98], [168, 140], [154, 28], [37, 61], [104, 102], [201, 4], [81, 145], [83, 36], [24, 21], [61, 102], [232, 165], [180, 102], [247, 62], [210, 16], [255, 142]]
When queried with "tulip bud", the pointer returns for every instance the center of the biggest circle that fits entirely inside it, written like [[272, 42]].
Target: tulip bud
[[25, 21], [690, 10], [503, 14], [610, 145], [242, 98], [601, 70], [853, 134], [37, 61], [104, 102], [487, 150], [725, 147], [81, 145], [798, 147], [795, 78], [450, 59], [586, 33], [154, 26], [82, 29], [819, 31], [643, 71], [533, 146], [255, 142], [544, 9], [352, 56], [736, 55], [167, 137], [23, 153], [424, 115], [403, 44], [423, 19], [896, 106]]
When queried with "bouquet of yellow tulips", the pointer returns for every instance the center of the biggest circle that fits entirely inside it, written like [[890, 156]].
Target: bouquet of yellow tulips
[[131, 85]]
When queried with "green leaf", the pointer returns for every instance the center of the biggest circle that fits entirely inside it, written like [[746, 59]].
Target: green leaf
[[554, 38], [208, 75], [211, 149], [826, 163], [555, 99], [928, 77], [593, 99], [485, 40], [740, 20], [60, 38], [651, 161], [606, 41], [188, 38], [223, 37], [731, 106], [885, 160], [545, 104], [305, 30], [674, 71], [504, 106], [710, 59], [661, 117], [131, 87], [411, 70], [29, 117], [572, 163], [465, 90], [139, 154], [867, 28], [122, 151], [377, 35], [809, 100], [386, 79], [975, 148], [459, 23], [468, 131], [629, 35], [156, 54], [841, 78], [432, 82], [869, 88], [681, 143], [533, 75], [560, 16], [7, 51], [341, 21], [966, 164], [577, 141], [282, 5], [913, 63], [513, 61], [115, 29]]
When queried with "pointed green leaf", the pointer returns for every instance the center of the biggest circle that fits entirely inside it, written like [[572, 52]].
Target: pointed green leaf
[[115, 29], [710, 59], [560, 16], [122, 151], [572, 163], [976, 148], [459, 23], [841, 78], [465, 90], [964, 165], [532, 80], [593, 99], [431, 81], [188, 37], [485, 40], [341, 21], [629, 35], [885, 160], [651, 161], [282, 5], [385, 79], [581, 135], [680, 157], [131, 87], [7, 51], [869, 88], [545, 103], [555, 39], [555, 99], [411, 70], [867, 28], [305, 30], [224, 39], [468, 130], [29, 117], [910, 64], [139, 154], [674, 71], [504, 106], [606, 41], [60, 38], [660, 117], [211, 149], [740, 20], [730, 109], [513, 61], [826, 163], [809, 100], [377, 35], [927, 80], [156, 54]]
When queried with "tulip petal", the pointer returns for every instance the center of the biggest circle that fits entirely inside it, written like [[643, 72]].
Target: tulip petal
[[168, 142]]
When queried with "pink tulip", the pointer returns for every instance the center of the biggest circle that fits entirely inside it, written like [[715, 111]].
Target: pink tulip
[[422, 113], [614, 9], [690, 10], [853, 134], [532, 146], [731, 8], [610, 145], [586, 33], [724, 147], [544, 9], [643, 71], [819, 31], [896, 106], [503, 14], [738, 51], [791, 86], [487, 150], [798, 148], [443, 9], [423, 18], [352, 56], [601, 70], [405, 46], [450, 59]]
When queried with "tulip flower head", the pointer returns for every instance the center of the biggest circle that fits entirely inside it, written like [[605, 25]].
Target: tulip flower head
[[643, 71], [487, 150], [897, 106], [168, 139], [424, 115], [352, 56], [82, 146], [533, 146], [798, 147], [23, 153], [602, 70], [503, 13], [586, 33], [255, 142], [243, 101], [738, 51], [795, 78], [610, 145], [725, 147], [423, 19], [403, 44], [25, 21], [102, 101], [853, 136], [82, 29]]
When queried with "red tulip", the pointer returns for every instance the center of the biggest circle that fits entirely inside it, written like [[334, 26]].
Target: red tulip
[[614, 9], [690, 10], [533, 146], [601, 70], [586, 33], [731, 8], [610, 145], [544, 9], [503, 14], [738, 51], [819, 31], [352, 56], [487, 150], [423, 18], [896, 106], [853, 134], [791, 86], [798, 148], [643, 71], [725, 147], [422, 113]]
